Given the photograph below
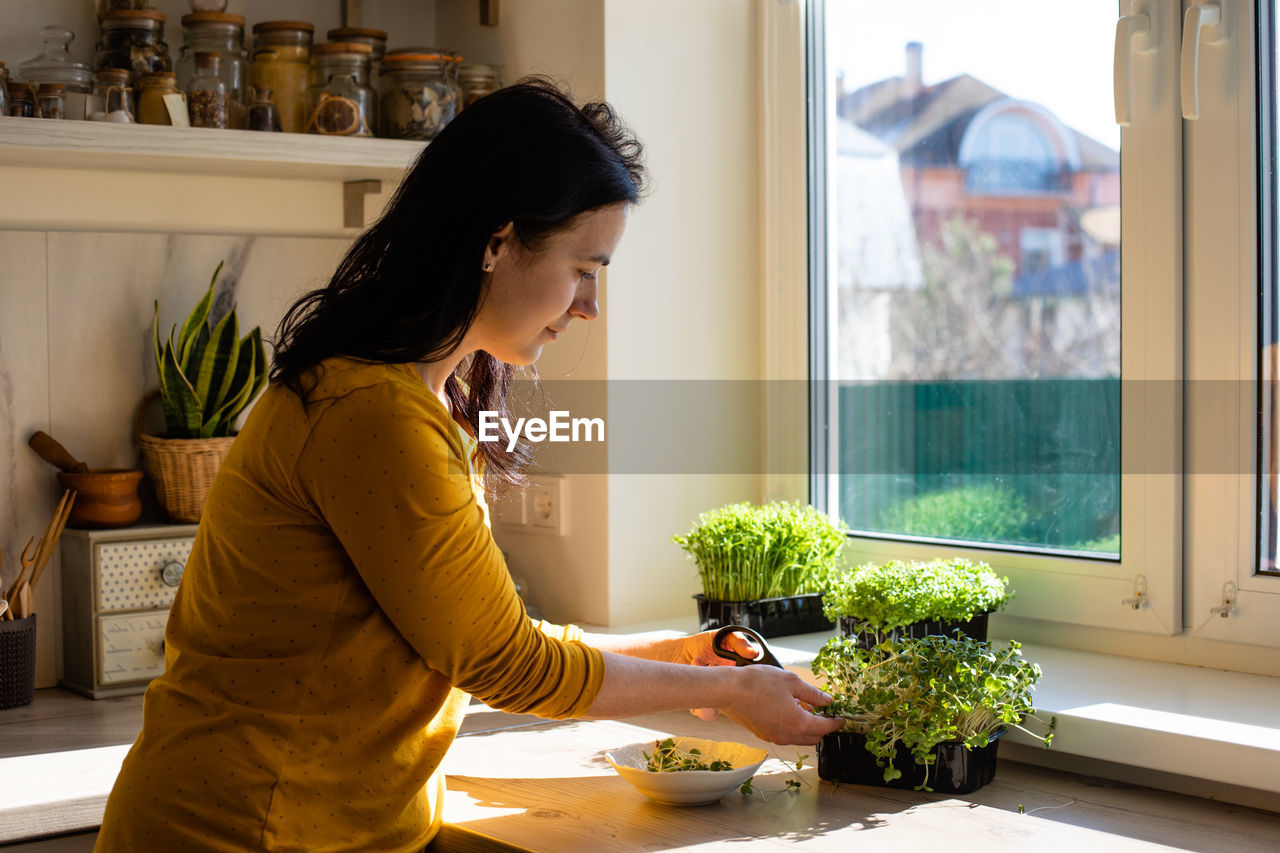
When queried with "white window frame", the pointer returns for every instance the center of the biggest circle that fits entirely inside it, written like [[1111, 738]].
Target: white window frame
[[1222, 180], [1182, 537]]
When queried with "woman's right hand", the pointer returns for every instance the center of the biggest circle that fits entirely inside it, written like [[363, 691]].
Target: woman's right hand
[[771, 704]]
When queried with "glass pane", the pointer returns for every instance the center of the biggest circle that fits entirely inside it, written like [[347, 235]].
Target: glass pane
[[976, 229], [1269, 334]]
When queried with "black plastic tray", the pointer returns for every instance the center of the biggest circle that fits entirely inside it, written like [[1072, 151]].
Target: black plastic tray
[[974, 629], [843, 757], [771, 617]]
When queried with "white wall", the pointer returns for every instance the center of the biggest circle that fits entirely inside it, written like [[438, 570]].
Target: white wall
[[567, 575], [76, 359], [683, 289]]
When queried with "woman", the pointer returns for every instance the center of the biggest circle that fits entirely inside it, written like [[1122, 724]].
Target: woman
[[344, 595]]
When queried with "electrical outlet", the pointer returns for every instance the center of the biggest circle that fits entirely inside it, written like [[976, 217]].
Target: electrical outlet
[[545, 503]]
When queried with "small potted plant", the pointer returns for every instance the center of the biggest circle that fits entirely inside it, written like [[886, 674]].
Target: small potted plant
[[208, 376], [876, 602], [764, 566], [922, 712]]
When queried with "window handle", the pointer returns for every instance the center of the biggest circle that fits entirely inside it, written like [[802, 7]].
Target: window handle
[[1133, 35], [1202, 23]]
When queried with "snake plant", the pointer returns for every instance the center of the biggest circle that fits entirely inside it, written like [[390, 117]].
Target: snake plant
[[210, 374]]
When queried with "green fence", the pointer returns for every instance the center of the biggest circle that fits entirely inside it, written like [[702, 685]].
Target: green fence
[[1019, 461]]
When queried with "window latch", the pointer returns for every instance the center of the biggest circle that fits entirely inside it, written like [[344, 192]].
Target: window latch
[[1134, 34], [1139, 598], [1228, 601]]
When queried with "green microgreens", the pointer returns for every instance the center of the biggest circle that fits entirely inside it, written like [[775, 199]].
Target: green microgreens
[[921, 692], [889, 595], [745, 552], [793, 784], [669, 758]]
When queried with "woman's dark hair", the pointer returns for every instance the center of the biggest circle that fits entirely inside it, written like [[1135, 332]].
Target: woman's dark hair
[[409, 288]]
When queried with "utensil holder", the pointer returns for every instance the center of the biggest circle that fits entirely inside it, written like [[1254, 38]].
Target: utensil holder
[[17, 662]]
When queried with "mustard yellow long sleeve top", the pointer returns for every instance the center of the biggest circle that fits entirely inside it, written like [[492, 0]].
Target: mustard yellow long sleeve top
[[343, 597]]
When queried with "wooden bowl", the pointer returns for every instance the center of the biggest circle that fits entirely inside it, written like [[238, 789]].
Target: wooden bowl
[[104, 498]]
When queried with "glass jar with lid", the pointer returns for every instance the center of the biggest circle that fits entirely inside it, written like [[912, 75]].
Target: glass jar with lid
[[282, 63], [154, 87], [49, 101], [22, 102], [475, 80], [376, 39], [208, 97], [4, 90], [223, 34], [340, 101], [112, 97], [55, 64], [415, 98], [264, 115], [132, 39]]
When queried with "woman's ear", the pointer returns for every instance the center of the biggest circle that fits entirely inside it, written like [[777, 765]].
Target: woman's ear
[[498, 245]]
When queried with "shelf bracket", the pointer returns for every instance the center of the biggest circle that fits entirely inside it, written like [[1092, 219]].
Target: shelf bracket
[[489, 13], [352, 13], [353, 193]]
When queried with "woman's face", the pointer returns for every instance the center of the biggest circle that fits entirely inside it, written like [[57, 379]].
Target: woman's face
[[533, 295]]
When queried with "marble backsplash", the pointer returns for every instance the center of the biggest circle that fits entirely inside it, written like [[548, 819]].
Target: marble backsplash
[[76, 354]]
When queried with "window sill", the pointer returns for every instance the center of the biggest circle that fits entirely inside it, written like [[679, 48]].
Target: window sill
[[1206, 732]]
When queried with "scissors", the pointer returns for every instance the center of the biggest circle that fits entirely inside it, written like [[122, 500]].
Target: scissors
[[718, 645]]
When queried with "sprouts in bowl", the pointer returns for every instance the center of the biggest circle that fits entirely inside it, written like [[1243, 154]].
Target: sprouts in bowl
[[673, 781]]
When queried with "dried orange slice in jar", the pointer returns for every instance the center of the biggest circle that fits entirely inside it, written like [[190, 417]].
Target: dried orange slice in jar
[[337, 116]]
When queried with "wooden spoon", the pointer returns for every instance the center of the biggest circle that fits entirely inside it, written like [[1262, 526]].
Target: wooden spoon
[[54, 453]]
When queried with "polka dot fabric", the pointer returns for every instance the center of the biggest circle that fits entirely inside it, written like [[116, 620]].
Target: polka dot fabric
[[342, 598], [129, 573]]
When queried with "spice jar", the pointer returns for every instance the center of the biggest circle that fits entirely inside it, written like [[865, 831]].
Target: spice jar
[[475, 80], [153, 87], [49, 100], [132, 39], [263, 112], [222, 34], [416, 99], [55, 64], [282, 63], [208, 99], [22, 102], [4, 90], [340, 101], [112, 97]]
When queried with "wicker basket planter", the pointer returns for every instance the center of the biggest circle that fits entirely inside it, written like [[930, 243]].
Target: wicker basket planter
[[182, 470]]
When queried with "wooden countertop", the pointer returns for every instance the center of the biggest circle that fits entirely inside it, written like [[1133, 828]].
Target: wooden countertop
[[545, 786]]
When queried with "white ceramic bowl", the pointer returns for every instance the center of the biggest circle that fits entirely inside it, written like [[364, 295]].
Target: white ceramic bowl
[[688, 787]]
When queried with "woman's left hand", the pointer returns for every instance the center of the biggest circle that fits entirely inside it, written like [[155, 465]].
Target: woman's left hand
[[693, 650], [697, 650]]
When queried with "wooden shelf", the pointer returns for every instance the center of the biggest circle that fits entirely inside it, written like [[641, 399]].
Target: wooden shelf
[[133, 147]]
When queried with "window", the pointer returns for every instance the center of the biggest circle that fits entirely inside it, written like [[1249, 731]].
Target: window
[[1020, 366]]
